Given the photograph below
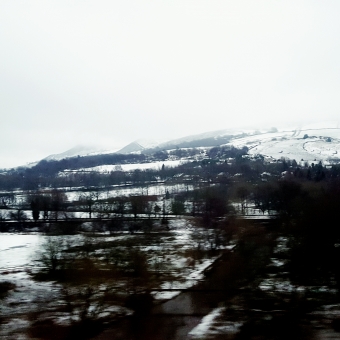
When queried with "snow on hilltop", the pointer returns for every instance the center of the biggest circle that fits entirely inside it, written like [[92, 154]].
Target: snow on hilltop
[[314, 142], [138, 146], [91, 150], [80, 150]]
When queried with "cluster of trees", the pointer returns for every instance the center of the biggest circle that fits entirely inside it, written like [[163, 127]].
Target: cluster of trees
[[52, 167], [227, 152], [221, 159], [43, 205], [306, 213]]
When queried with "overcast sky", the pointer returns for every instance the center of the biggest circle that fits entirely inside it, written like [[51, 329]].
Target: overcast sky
[[110, 72]]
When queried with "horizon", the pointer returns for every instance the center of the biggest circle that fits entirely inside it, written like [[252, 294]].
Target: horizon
[[98, 149]]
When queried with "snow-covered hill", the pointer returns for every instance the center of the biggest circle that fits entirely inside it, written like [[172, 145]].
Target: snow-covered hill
[[313, 142], [81, 150], [317, 142], [139, 145], [91, 150]]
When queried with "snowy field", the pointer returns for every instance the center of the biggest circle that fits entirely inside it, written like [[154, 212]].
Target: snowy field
[[169, 255], [214, 324], [16, 250], [130, 167], [153, 189], [310, 143]]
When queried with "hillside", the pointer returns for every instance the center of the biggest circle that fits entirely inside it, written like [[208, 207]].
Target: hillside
[[309, 143]]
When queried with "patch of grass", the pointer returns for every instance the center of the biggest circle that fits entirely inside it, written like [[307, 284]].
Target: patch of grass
[[5, 287], [47, 329], [197, 253], [83, 271]]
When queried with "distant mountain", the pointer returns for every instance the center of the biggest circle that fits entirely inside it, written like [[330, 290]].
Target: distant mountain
[[92, 150], [313, 142], [133, 147], [80, 150], [207, 139], [139, 146], [206, 136]]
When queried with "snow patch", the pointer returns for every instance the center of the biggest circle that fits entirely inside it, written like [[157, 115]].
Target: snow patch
[[210, 326]]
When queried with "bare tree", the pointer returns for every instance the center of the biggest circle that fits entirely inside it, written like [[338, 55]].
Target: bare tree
[[7, 199], [51, 253], [138, 205], [58, 202], [89, 200], [18, 215]]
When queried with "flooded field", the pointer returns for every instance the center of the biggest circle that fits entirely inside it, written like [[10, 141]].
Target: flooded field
[[172, 257], [172, 283]]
